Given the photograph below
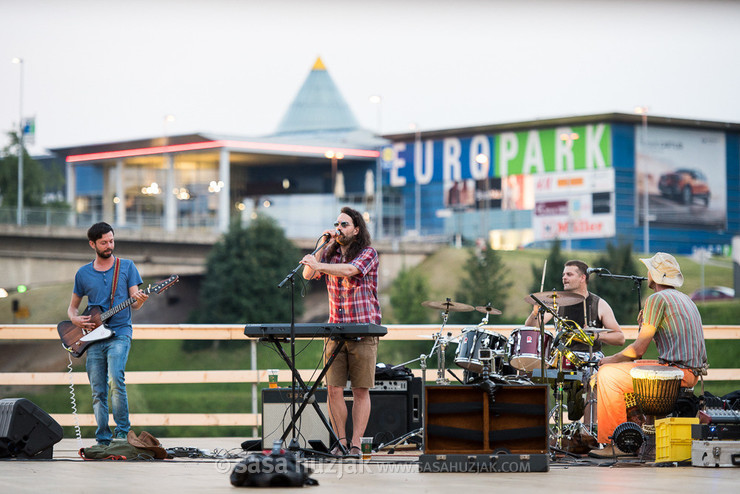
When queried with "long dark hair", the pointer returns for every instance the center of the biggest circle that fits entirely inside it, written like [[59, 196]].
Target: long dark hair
[[362, 239]]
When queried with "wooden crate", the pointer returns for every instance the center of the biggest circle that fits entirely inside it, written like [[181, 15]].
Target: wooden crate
[[464, 420]]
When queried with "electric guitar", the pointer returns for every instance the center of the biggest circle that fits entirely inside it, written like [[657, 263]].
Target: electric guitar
[[76, 340]]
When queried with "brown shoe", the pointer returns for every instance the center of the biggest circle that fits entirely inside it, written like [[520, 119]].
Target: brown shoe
[[609, 451]]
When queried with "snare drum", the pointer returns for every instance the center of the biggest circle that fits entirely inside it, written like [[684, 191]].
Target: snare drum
[[472, 341], [524, 348], [656, 388]]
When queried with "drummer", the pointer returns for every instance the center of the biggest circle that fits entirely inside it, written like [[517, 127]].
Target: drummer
[[595, 313], [673, 321]]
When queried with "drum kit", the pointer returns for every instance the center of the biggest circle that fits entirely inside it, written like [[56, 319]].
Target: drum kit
[[489, 358]]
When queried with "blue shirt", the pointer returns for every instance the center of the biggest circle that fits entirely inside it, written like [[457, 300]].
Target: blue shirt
[[97, 285]]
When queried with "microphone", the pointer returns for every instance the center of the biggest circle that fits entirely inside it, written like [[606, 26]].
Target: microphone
[[329, 234], [596, 270]]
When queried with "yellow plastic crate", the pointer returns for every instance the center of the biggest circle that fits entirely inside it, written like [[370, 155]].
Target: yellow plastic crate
[[673, 438]]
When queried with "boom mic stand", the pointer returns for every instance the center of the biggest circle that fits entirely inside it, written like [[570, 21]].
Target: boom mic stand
[[637, 280], [291, 277]]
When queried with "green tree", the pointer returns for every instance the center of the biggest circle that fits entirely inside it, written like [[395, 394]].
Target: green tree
[[620, 294], [554, 273], [34, 177], [243, 271], [408, 291], [485, 281]]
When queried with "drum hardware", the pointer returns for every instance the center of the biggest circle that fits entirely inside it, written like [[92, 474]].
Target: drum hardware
[[441, 341]]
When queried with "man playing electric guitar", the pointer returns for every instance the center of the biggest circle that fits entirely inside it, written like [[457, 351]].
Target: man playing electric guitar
[[104, 281]]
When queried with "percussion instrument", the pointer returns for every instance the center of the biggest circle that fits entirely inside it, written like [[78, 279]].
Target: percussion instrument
[[487, 309], [582, 359], [447, 306], [524, 348], [551, 299], [656, 388], [471, 341]]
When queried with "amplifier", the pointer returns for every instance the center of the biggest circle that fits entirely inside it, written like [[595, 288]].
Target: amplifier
[[276, 417], [715, 431], [395, 409]]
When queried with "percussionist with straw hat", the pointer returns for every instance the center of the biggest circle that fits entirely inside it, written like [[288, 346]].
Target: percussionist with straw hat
[[673, 321]]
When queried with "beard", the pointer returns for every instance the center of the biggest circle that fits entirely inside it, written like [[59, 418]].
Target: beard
[[104, 254], [345, 239]]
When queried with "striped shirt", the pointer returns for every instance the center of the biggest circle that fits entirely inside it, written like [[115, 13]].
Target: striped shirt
[[354, 298], [679, 335]]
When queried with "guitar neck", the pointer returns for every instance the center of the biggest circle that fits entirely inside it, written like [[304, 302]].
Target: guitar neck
[[118, 308]]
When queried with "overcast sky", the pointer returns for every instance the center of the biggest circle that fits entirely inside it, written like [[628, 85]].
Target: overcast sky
[[99, 70]]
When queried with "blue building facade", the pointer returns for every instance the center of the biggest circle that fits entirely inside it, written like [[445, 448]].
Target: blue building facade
[[587, 181]]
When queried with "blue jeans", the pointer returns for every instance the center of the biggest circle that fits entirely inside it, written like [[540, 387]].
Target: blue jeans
[[106, 361]]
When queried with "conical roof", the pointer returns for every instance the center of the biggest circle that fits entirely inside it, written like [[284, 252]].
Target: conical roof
[[318, 106]]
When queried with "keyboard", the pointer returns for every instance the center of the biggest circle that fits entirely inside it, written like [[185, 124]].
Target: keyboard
[[314, 330]]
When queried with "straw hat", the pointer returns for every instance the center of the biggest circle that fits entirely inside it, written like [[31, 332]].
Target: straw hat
[[664, 269]]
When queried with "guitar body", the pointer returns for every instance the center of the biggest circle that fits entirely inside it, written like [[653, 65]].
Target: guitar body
[[71, 334], [76, 340]]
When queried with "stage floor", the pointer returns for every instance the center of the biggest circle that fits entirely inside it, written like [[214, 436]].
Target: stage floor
[[383, 474]]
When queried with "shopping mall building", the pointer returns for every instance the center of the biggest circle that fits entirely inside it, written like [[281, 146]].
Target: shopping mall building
[[588, 180]]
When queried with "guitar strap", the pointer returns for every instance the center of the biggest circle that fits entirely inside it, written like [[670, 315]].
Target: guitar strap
[[116, 270]]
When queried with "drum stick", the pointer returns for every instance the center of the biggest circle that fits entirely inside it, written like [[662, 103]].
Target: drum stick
[[544, 270]]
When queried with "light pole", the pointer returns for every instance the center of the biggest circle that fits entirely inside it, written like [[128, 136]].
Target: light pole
[[643, 110], [569, 138], [482, 160], [418, 157], [376, 99], [19, 211]]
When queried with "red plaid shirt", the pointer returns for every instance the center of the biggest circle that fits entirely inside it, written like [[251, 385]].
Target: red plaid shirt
[[354, 299]]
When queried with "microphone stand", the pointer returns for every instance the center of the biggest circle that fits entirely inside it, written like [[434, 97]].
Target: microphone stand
[[637, 280], [291, 277]]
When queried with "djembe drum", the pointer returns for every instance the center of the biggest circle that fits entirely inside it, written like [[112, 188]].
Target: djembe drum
[[656, 391], [656, 388]]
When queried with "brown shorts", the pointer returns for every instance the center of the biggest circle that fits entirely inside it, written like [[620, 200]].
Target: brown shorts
[[355, 362]]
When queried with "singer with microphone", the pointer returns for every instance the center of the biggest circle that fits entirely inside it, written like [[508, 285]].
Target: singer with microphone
[[350, 267]]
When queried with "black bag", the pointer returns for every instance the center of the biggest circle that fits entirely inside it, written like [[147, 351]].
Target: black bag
[[273, 470]]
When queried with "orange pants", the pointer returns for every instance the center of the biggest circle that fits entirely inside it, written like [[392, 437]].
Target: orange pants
[[613, 381]]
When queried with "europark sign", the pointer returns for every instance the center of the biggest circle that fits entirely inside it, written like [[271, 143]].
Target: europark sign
[[558, 149], [565, 171]]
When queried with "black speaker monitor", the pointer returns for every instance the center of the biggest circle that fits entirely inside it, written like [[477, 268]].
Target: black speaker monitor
[[26, 431]]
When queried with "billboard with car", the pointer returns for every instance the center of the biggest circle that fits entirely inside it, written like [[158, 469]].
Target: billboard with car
[[684, 175]]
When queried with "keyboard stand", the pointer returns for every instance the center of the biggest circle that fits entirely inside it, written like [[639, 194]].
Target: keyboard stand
[[309, 393]]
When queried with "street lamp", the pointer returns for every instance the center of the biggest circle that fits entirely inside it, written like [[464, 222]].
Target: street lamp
[[643, 110], [418, 157], [376, 99], [569, 137], [333, 156], [482, 160], [19, 212]]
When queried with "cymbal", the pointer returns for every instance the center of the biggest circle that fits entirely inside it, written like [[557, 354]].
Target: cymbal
[[448, 306], [563, 299], [487, 309]]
